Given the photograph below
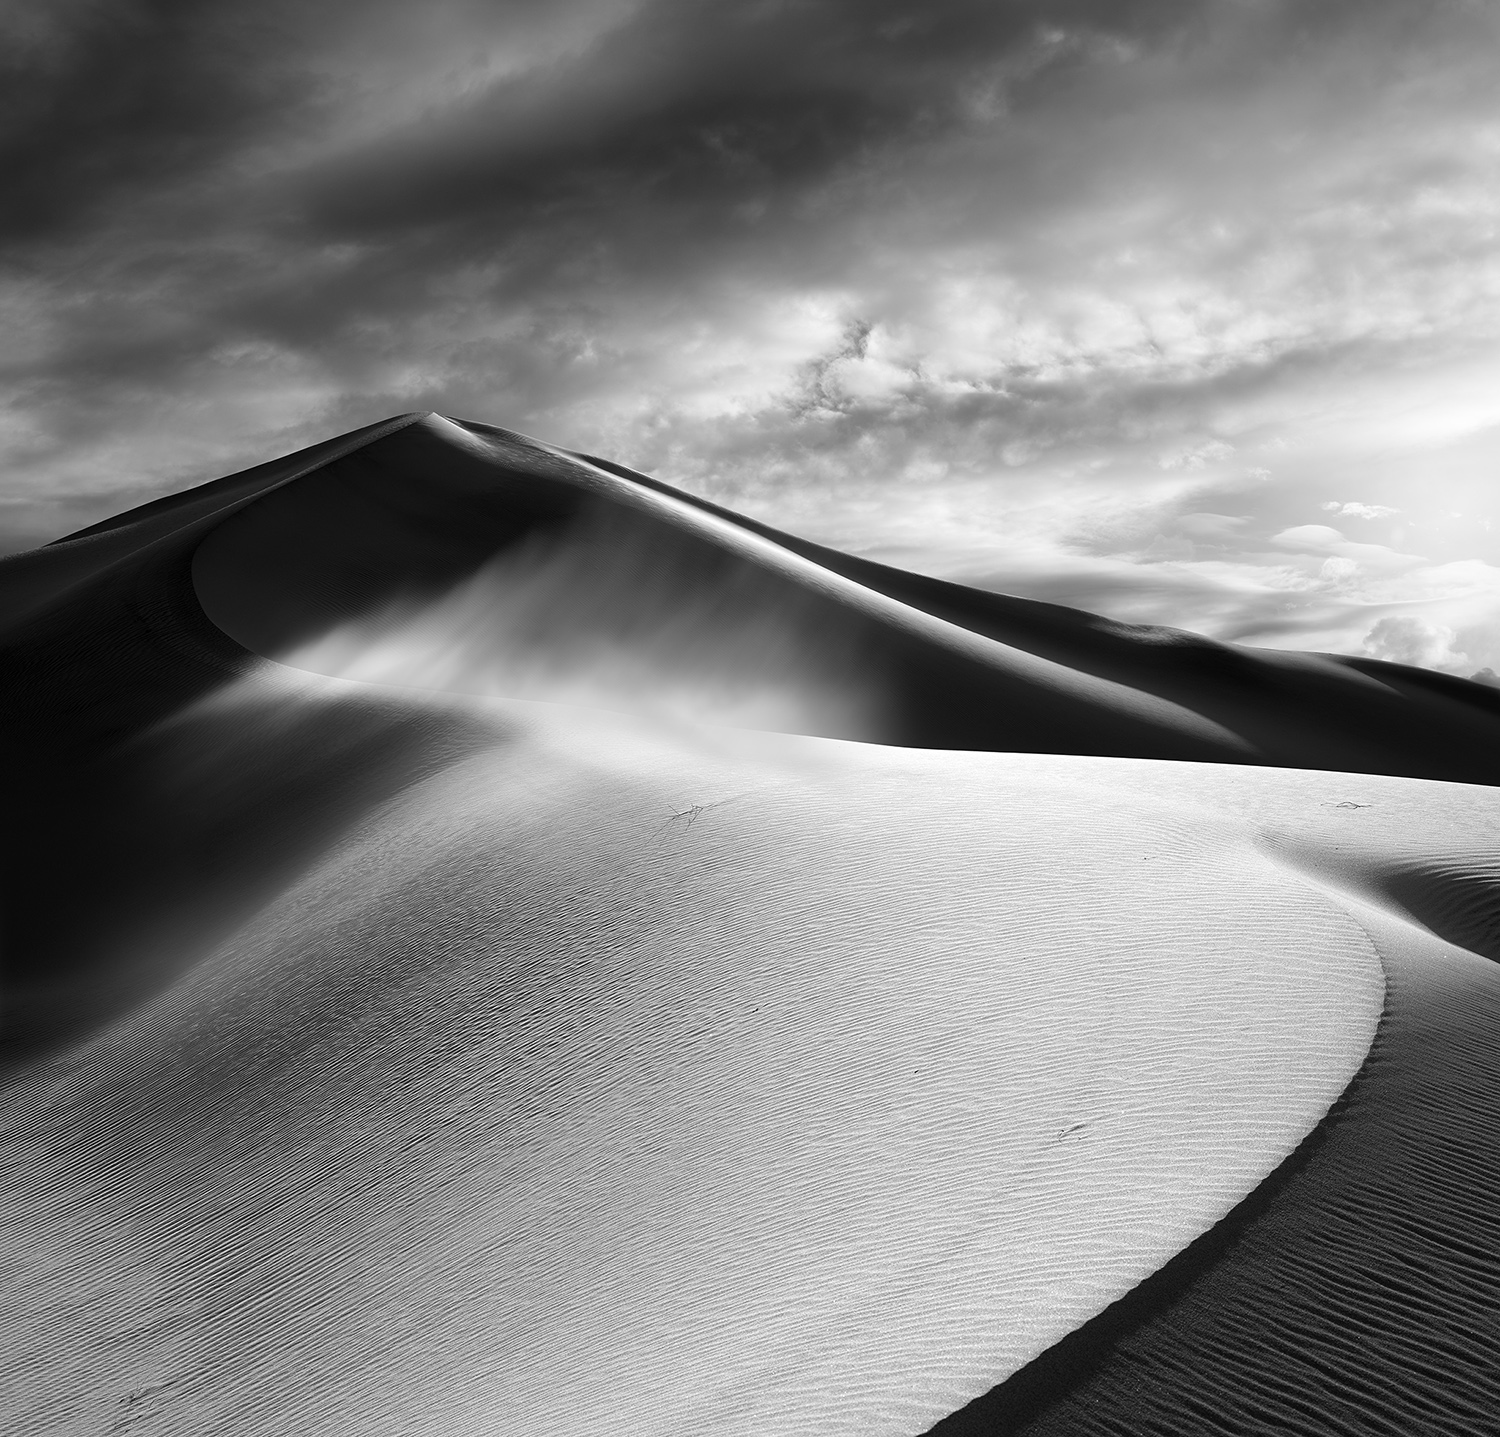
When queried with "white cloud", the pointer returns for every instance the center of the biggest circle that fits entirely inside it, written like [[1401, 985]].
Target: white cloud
[[1360, 511], [1405, 639]]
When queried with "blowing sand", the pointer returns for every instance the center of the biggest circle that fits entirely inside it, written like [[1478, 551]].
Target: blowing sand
[[391, 1059]]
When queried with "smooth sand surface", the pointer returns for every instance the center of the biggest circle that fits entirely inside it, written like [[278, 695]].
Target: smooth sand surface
[[389, 1060]]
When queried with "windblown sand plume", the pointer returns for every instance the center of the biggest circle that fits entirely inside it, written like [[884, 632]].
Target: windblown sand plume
[[498, 945]]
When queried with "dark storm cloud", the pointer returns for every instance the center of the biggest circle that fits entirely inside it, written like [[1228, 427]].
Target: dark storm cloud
[[106, 104], [700, 107], [683, 137]]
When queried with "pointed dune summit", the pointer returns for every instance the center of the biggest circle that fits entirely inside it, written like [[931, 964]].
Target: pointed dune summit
[[498, 944], [939, 665]]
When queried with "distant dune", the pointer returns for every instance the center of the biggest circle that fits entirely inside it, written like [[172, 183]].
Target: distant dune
[[499, 945]]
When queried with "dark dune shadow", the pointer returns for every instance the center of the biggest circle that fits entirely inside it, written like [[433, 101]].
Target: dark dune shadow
[[1458, 899], [134, 864], [1294, 710], [360, 533], [145, 817]]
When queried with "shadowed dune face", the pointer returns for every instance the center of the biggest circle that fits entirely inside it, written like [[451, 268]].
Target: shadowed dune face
[[139, 859], [419, 513], [405, 1055], [132, 546], [1449, 887], [1456, 896], [741, 624], [613, 610], [1295, 710]]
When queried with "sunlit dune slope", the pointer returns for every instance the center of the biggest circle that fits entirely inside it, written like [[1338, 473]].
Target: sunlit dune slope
[[496, 1038], [618, 1085]]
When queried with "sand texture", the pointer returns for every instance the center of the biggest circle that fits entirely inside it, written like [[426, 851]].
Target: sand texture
[[497, 945]]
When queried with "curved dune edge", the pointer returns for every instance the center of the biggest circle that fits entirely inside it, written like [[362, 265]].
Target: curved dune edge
[[1356, 1290], [620, 1086], [287, 796], [31, 583]]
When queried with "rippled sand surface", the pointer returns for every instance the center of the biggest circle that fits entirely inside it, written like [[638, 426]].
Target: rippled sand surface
[[500, 946]]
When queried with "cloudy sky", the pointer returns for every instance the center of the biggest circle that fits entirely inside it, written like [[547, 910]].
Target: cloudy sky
[[1182, 312]]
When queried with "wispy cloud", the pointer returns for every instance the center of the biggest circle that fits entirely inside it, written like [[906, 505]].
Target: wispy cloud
[[1361, 511], [1102, 299]]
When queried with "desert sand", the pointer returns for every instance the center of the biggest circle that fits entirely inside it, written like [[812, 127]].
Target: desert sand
[[499, 945]]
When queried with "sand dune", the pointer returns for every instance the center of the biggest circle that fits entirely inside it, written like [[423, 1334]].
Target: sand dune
[[431, 1013]]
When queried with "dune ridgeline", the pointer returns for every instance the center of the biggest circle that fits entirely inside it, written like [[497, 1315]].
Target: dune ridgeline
[[498, 945]]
